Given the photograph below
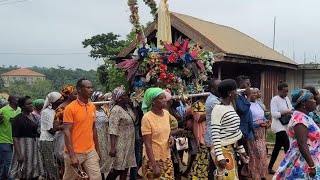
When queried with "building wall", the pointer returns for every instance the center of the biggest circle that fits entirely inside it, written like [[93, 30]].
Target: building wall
[[311, 77], [306, 77], [29, 79], [270, 77]]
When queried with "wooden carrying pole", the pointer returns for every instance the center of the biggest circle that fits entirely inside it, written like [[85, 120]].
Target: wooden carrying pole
[[173, 97]]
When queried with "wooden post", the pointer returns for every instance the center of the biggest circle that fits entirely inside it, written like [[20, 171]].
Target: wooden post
[[219, 72]]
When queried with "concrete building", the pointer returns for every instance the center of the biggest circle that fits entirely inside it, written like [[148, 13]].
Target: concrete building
[[21, 74]]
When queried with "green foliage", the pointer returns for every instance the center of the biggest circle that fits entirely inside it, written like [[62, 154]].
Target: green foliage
[[111, 77], [271, 137], [61, 76], [108, 46], [105, 45], [56, 79], [37, 90]]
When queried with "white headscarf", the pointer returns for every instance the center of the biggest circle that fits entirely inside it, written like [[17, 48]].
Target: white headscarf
[[51, 98]]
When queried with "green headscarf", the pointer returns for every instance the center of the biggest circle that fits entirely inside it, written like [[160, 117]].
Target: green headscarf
[[149, 96], [38, 102]]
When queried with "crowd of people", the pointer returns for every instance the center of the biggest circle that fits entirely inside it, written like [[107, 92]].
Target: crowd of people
[[71, 135]]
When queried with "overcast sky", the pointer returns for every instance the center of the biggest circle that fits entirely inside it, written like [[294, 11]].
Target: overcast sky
[[59, 26]]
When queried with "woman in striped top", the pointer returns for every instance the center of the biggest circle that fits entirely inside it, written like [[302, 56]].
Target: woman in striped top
[[226, 132]]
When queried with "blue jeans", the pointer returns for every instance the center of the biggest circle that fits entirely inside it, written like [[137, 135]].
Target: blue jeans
[[6, 151], [137, 150]]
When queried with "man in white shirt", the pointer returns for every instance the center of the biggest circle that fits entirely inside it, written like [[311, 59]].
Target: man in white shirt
[[280, 106]]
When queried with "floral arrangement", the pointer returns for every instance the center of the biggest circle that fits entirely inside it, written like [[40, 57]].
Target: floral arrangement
[[153, 6], [135, 19], [181, 66]]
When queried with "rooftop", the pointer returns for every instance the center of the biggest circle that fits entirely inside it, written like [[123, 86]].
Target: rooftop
[[22, 72], [232, 41]]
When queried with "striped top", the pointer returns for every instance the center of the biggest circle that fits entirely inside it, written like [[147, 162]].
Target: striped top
[[225, 124]]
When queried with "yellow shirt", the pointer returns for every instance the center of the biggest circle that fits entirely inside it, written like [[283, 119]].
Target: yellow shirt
[[159, 128]]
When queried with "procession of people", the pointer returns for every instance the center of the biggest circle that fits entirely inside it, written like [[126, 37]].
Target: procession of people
[[225, 134]]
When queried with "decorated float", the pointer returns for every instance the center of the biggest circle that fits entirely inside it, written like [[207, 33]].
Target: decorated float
[[181, 66]]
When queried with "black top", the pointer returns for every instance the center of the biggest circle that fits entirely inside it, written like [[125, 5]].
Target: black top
[[24, 127]]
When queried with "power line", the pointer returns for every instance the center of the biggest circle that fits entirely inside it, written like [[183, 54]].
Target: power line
[[4, 1], [41, 54], [12, 2]]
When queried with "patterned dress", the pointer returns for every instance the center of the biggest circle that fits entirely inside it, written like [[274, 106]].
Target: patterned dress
[[294, 166], [121, 124], [199, 169], [257, 146], [102, 123], [59, 142], [25, 130]]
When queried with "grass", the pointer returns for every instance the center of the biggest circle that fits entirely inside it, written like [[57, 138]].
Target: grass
[[271, 137]]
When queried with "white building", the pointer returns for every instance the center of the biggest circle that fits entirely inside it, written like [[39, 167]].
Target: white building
[[21, 74]]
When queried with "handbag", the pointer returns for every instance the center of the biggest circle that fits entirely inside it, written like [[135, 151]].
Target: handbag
[[284, 119], [182, 143]]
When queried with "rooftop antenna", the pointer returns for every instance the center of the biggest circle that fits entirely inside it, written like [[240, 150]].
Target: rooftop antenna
[[274, 32]]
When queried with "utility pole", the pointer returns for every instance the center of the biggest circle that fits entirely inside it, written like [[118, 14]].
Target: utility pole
[[293, 55], [304, 58], [274, 32]]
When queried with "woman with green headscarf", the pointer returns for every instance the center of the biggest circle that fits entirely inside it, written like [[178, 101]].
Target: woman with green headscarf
[[155, 128], [37, 107]]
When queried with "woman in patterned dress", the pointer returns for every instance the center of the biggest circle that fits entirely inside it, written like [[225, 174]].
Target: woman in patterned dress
[[155, 128], [102, 124], [199, 169], [226, 134], [26, 162], [258, 168], [122, 135], [302, 161]]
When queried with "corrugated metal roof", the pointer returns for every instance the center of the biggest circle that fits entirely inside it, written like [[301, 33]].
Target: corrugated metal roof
[[22, 72], [233, 41]]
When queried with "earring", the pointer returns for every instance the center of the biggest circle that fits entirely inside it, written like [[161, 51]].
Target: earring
[[229, 94]]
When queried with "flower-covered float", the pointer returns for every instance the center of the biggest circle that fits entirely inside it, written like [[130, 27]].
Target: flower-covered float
[[181, 66]]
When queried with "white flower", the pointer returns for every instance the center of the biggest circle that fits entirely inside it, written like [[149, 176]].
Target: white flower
[[135, 53]]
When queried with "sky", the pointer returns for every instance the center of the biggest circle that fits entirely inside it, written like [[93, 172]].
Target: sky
[[48, 33]]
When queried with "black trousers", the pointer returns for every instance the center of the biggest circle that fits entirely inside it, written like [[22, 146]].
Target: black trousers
[[211, 166], [282, 140]]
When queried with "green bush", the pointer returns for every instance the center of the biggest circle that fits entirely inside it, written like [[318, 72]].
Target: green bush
[[271, 137]]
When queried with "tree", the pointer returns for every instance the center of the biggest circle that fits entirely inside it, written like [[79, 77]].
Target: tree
[[110, 76], [105, 45], [39, 89], [108, 46]]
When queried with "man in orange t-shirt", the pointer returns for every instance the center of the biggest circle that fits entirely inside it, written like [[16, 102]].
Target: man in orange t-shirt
[[81, 136]]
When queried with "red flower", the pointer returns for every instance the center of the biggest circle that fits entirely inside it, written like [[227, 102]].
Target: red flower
[[177, 44], [163, 76], [172, 58], [163, 67], [170, 77], [180, 53]]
